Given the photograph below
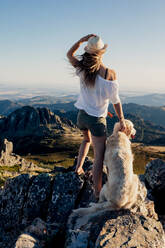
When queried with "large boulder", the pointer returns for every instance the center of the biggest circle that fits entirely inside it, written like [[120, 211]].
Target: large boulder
[[12, 200], [47, 197], [116, 229], [35, 211], [36, 203], [155, 181], [137, 227], [6, 147], [65, 191], [129, 230], [12, 165]]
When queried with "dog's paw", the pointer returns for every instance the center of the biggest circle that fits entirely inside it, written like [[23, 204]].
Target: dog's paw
[[92, 204]]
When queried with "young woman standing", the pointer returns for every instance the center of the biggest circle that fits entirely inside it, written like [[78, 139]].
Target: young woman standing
[[98, 87]]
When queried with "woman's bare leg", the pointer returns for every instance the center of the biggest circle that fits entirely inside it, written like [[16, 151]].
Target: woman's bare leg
[[83, 151], [99, 149]]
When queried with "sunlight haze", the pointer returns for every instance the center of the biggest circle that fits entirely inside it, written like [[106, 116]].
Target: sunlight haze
[[35, 37]]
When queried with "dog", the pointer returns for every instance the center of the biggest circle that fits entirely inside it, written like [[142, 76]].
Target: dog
[[121, 189], [122, 186]]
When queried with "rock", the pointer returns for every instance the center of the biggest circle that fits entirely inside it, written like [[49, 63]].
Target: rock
[[106, 228], [33, 236], [28, 121], [27, 166], [6, 147], [6, 153], [86, 166], [115, 229], [7, 158], [35, 212], [13, 165], [40, 234], [65, 191], [12, 200], [35, 129], [155, 174], [155, 182], [27, 241], [129, 231], [37, 198], [87, 192]]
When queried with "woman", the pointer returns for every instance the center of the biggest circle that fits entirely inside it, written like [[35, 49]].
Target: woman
[[98, 86]]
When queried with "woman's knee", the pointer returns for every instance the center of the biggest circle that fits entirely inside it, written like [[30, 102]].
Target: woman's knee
[[87, 141]]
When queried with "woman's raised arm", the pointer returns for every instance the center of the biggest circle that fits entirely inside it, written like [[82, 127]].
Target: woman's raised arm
[[70, 54]]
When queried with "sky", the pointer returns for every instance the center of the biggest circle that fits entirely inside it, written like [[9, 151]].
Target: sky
[[35, 36]]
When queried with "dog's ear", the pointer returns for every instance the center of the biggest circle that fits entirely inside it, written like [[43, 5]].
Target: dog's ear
[[116, 128], [129, 129]]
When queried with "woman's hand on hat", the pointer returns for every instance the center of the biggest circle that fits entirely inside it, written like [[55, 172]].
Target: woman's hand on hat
[[86, 38]]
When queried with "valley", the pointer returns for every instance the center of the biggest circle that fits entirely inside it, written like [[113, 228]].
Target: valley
[[43, 131], [142, 154]]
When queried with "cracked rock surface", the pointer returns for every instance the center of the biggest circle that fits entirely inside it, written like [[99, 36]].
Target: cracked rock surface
[[36, 211]]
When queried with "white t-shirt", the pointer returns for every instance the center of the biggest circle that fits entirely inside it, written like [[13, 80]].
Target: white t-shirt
[[95, 100]]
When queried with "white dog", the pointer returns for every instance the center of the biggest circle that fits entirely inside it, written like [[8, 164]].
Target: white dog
[[121, 188]]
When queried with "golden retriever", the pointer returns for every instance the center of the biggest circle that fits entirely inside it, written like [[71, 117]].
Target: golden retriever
[[121, 189]]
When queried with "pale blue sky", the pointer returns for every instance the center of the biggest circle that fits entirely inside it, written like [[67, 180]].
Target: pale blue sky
[[36, 34]]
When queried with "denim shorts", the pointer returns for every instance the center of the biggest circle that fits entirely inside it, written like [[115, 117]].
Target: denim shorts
[[96, 125]]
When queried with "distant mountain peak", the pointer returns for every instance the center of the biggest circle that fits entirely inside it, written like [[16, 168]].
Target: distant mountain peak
[[32, 121]]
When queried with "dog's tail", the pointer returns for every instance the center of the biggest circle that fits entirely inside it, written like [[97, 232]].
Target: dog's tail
[[81, 216], [94, 207]]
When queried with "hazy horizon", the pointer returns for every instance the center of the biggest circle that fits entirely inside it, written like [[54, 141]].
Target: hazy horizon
[[22, 91], [35, 36]]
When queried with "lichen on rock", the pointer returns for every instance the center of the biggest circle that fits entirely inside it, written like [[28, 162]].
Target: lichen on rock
[[36, 211]]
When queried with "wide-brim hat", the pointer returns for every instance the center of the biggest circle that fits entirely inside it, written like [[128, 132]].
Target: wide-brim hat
[[95, 45]]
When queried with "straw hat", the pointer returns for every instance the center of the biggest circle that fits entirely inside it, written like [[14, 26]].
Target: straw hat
[[95, 45]]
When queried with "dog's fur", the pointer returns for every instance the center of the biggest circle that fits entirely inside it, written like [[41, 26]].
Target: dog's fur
[[122, 184], [121, 188]]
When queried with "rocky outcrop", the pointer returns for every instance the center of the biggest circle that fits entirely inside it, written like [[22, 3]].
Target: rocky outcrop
[[31, 121], [35, 211], [12, 164], [116, 229], [25, 198], [155, 182], [135, 231], [137, 227], [6, 148], [35, 130]]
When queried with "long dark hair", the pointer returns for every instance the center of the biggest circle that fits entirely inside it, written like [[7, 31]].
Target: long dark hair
[[89, 64]]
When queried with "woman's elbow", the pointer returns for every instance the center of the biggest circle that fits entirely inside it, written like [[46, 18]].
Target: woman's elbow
[[68, 55]]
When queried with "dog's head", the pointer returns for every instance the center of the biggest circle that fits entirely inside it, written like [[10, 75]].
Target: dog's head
[[129, 131]]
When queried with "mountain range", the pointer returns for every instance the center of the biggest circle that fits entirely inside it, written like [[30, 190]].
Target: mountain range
[[147, 99], [34, 129], [37, 130], [155, 115], [40, 123]]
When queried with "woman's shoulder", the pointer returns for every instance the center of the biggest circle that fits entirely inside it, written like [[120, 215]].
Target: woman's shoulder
[[111, 75]]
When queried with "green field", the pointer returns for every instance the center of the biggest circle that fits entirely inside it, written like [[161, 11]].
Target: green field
[[62, 150], [142, 155]]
